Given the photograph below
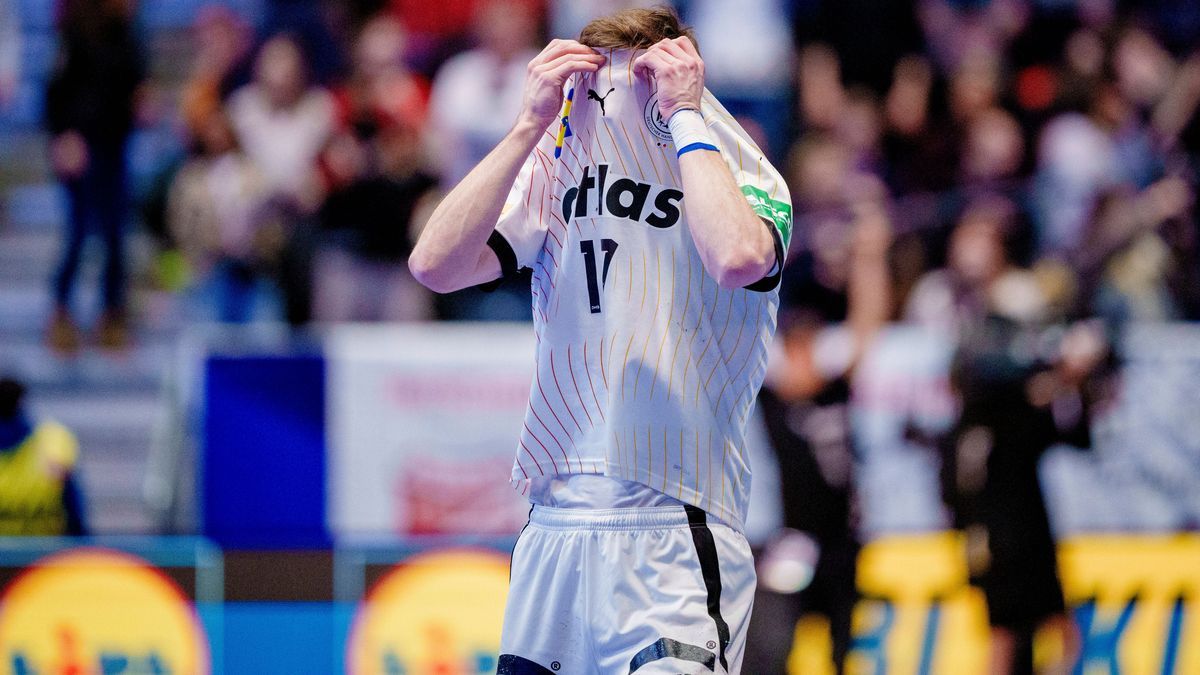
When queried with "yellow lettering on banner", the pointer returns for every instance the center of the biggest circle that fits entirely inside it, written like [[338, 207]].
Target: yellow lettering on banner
[[1155, 574], [916, 590], [1136, 600]]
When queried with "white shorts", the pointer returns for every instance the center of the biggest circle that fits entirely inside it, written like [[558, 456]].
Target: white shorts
[[616, 591]]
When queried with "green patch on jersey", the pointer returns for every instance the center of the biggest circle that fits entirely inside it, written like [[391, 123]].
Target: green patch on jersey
[[775, 211]]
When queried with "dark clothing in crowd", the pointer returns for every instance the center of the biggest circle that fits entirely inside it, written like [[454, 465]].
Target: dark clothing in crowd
[[812, 445], [98, 205], [869, 37], [1004, 511], [98, 72], [92, 93], [374, 214]]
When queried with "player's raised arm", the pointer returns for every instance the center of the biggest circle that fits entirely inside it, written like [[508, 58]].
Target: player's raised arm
[[734, 243], [452, 251]]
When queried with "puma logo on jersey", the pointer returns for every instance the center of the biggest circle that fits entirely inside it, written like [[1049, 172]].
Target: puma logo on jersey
[[621, 197], [593, 96]]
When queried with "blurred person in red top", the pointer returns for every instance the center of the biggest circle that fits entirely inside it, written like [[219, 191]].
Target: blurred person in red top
[[377, 178], [382, 91], [90, 111]]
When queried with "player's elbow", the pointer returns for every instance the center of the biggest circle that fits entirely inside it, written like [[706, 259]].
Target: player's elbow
[[429, 273], [741, 267]]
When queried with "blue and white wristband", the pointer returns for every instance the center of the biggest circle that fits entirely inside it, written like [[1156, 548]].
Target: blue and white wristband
[[689, 132]]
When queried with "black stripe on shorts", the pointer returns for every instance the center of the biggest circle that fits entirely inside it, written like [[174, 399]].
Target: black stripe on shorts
[[706, 552]]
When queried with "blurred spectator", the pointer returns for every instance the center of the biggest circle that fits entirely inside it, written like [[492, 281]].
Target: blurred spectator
[[439, 31], [1083, 154], [1139, 245], [993, 151], [1014, 406], [860, 128], [282, 123], [39, 488], [90, 105], [10, 51], [979, 277], [220, 216], [376, 171], [462, 130], [959, 32], [362, 275], [381, 91], [1017, 399], [221, 63], [317, 29], [748, 57], [820, 94], [920, 144]]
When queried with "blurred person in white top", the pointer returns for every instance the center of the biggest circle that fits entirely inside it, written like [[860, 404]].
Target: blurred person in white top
[[283, 123], [461, 130], [752, 59]]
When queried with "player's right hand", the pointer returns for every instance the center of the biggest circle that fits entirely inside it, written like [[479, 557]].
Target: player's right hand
[[547, 73]]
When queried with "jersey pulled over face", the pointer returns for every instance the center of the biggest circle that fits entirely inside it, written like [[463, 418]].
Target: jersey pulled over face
[[646, 369]]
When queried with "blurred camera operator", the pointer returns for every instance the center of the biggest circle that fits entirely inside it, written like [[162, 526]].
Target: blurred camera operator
[[1026, 379]]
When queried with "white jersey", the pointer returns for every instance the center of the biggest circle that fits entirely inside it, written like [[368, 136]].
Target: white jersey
[[646, 369]]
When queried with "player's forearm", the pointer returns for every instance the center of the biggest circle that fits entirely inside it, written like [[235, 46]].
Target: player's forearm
[[449, 254], [733, 242]]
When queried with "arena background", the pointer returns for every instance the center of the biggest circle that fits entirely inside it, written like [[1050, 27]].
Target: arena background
[[293, 460]]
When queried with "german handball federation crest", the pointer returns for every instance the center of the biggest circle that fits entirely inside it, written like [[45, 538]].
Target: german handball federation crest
[[654, 119]]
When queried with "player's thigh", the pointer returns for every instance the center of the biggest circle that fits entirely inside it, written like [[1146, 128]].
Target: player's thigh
[[668, 614], [543, 628]]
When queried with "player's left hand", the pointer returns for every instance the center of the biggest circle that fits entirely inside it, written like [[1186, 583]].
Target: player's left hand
[[678, 70]]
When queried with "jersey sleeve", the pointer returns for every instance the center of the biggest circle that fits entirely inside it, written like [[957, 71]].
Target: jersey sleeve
[[759, 181], [521, 229]]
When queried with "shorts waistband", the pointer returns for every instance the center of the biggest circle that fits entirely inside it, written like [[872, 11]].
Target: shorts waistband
[[640, 518]]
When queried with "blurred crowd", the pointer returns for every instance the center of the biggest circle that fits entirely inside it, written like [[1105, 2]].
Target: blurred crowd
[[1039, 152], [989, 169]]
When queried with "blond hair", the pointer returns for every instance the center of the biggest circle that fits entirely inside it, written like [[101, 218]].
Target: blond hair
[[635, 29]]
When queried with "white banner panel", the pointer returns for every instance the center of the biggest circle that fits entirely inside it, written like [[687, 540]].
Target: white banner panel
[[423, 421]]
